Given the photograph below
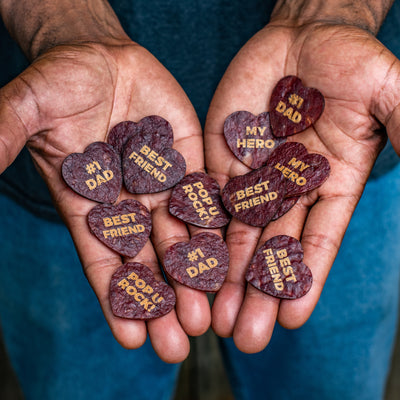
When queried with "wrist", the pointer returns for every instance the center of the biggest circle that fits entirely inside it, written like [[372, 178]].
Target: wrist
[[365, 14], [38, 25]]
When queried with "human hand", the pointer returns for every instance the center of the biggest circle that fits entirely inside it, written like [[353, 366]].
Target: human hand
[[71, 96], [357, 75]]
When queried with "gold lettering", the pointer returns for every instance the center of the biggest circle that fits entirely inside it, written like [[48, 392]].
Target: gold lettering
[[281, 107], [148, 289], [293, 176], [251, 131], [268, 251], [281, 253], [192, 271], [187, 188], [157, 298], [203, 193], [152, 156], [250, 143], [274, 270], [288, 112], [107, 222], [240, 194], [296, 118], [261, 130], [212, 262], [145, 150], [133, 155], [116, 220], [140, 283], [203, 267], [301, 181], [295, 163], [123, 283], [241, 143], [249, 191], [147, 304], [207, 200], [284, 262], [198, 185], [133, 276], [108, 174], [91, 184], [131, 290], [213, 210]]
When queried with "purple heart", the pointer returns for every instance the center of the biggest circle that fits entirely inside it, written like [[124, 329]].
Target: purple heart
[[125, 228], [136, 294], [202, 263], [256, 197], [123, 131], [95, 173], [303, 171], [149, 163], [197, 201], [294, 107], [277, 269], [250, 137]]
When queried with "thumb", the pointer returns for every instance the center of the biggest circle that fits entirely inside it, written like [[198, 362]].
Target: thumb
[[386, 106], [18, 119], [393, 126]]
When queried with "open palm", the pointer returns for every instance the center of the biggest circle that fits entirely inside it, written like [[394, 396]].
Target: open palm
[[70, 97], [357, 77]]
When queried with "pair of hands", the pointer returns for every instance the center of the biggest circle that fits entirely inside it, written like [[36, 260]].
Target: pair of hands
[[72, 95]]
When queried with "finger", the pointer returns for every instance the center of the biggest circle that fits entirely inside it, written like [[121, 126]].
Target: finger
[[167, 336], [192, 305], [241, 241], [322, 235], [18, 117], [255, 322], [386, 99]]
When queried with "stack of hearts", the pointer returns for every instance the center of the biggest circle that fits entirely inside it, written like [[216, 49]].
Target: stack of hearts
[[140, 157]]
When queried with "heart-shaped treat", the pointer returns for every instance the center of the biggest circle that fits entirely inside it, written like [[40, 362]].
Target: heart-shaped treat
[[197, 201], [149, 164], [277, 269], [256, 197], [124, 228], [136, 294], [120, 134], [303, 171], [202, 263], [123, 131], [294, 107], [95, 173], [250, 137]]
